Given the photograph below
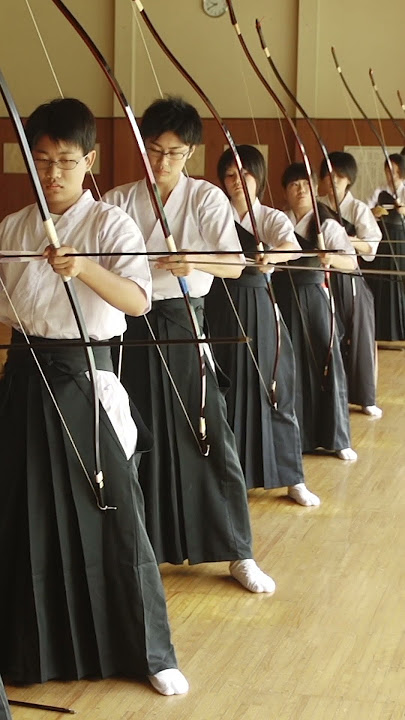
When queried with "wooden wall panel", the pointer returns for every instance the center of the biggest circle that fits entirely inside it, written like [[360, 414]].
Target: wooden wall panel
[[337, 133], [120, 160], [15, 189]]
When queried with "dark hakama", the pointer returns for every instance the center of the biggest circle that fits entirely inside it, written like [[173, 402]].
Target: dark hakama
[[268, 439], [195, 506], [4, 706], [389, 290], [321, 403], [84, 595], [355, 312]]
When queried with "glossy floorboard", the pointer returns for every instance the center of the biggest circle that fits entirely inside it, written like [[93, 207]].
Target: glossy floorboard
[[330, 644]]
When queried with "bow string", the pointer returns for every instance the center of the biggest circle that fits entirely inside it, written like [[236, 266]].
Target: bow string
[[380, 142], [276, 99], [383, 104], [68, 284], [158, 207], [329, 168], [401, 102], [239, 166]]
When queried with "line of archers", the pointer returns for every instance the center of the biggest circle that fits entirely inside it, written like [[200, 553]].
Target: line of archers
[[232, 145], [324, 151], [158, 208], [94, 254], [308, 168], [325, 154], [313, 128], [402, 134], [380, 142], [98, 479], [395, 123], [329, 169], [304, 114]]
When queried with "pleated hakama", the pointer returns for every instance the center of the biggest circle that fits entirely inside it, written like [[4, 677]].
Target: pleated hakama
[[84, 595], [389, 290], [267, 438], [196, 507], [321, 403], [355, 311]]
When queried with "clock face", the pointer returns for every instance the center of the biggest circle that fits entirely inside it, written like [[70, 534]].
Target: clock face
[[215, 8]]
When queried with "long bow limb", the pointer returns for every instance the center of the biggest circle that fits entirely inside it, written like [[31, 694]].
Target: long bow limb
[[320, 237], [58, 85], [329, 169], [383, 105], [380, 142], [239, 166], [158, 207], [68, 283], [401, 102], [325, 154], [304, 114]]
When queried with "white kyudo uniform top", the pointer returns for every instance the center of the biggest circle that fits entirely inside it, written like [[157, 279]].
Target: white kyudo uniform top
[[400, 192], [41, 301], [37, 291], [359, 215], [199, 217], [335, 235], [274, 227]]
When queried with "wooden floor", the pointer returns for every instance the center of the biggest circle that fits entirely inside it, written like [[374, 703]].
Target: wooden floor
[[330, 644]]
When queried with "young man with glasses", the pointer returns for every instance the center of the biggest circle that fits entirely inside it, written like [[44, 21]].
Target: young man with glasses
[[84, 595], [195, 505]]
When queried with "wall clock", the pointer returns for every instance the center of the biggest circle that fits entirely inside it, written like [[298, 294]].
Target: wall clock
[[214, 8]]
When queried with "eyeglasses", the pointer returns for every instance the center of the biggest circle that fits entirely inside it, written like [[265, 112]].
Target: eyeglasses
[[63, 163], [173, 155]]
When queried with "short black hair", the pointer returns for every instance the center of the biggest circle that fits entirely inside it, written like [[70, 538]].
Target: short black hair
[[344, 165], [296, 171], [65, 119], [172, 114], [252, 160], [399, 161]]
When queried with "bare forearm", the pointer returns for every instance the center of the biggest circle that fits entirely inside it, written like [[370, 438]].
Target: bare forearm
[[362, 247], [342, 262], [119, 292], [281, 254], [227, 266]]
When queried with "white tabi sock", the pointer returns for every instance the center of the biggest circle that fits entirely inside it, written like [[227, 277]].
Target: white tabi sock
[[372, 410], [302, 495], [251, 577], [346, 454], [169, 682]]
